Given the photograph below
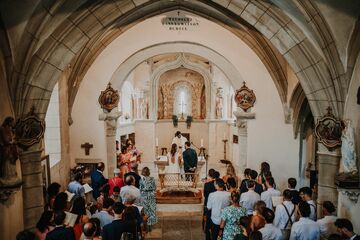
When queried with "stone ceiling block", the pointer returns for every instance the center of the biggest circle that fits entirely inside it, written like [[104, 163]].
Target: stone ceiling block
[[267, 26], [237, 6], [106, 13], [125, 5], [139, 2], [75, 40], [295, 32], [285, 38], [90, 25], [60, 57], [252, 13], [224, 3]]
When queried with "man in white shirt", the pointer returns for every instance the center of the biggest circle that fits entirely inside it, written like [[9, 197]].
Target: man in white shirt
[[270, 192], [130, 189], [179, 140], [269, 231], [285, 214], [326, 223], [249, 198], [306, 195], [217, 201], [305, 228]]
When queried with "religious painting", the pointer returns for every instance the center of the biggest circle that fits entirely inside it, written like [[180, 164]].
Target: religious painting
[[45, 170], [235, 139], [328, 130], [245, 97], [109, 99], [29, 130]]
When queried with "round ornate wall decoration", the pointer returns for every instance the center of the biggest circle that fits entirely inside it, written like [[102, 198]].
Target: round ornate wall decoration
[[29, 130], [109, 99], [328, 130], [245, 97]]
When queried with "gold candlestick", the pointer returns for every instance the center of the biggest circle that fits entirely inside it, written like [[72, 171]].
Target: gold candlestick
[[225, 141]]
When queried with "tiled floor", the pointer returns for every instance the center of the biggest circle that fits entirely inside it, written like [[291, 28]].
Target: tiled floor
[[183, 227]]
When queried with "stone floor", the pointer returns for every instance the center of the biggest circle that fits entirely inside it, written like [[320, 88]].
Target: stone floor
[[179, 222]]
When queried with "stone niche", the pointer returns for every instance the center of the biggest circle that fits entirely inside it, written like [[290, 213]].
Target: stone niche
[[181, 90]]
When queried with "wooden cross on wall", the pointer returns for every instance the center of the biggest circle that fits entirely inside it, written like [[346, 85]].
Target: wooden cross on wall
[[87, 147]]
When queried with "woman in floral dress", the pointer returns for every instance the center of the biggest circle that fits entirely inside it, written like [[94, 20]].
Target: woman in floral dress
[[230, 218], [148, 189]]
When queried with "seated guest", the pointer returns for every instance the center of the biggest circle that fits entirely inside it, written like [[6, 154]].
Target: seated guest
[[230, 217], [270, 192], [231, 185], [52, 191], [89, 230], [116, 181], [130, 189], [249, 198], [269, 231], [216, 203], [294, 193], [244, 226], [258, 187], [285, 214], [346, 229], [306, 195], [305, 228], [116, 194], [104, 215], [257, 220], [60, 232], [113, 230], [326, 223], [243, 185], [209, 187], [76, 186], [25, 235], [98, 180], [60, 202], [44, 225], [80, 210], [133, 171]]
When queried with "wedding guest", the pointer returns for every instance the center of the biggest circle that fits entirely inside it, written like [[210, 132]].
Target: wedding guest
[[116, 194], [96, 222], [148, 191], [44, 225], [285, 214], [133, 171], [256, 235], [295, 199], [115, 181], [76, 186], [82, 218], [60, 202], [117, 227], [257, 220], [231, 185], [305, 228], [264, 173], [98, 180], [25, 235], [249, 198], [52, 191], [267, 195], [104, 215], [243, 185], [306, 195], [326, 223], [269, 231], [258, 187], [209, 187], [244, 226], [130, 188], [346, 229], [60, 232], [89, 230], [230, 217]]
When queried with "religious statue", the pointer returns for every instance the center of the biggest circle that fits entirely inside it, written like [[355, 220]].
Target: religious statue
[[8, 154], [143, 109], [219, 103], [348, 151]]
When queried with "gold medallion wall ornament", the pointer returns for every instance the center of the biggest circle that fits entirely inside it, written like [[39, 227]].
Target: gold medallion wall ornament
[[245, 97], [109, 99], [29, 130], [328, 130]]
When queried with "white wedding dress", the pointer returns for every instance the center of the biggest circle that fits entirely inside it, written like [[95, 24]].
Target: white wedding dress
[[173, 167]]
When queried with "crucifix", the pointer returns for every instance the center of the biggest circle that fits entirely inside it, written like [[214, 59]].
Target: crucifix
[[182, 105], [87, 147]]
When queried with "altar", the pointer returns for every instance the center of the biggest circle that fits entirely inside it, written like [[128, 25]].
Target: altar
[[178, 187]]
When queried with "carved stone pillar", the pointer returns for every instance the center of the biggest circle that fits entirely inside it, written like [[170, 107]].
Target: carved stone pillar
[[32, 187], [328, 169], [241, 120], [110, 120]]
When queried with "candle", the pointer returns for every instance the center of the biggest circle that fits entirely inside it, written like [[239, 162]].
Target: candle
[[224, 136], [157, 142], [202, 143]]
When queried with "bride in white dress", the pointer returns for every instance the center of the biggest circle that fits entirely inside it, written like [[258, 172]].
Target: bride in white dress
[[173, 159]]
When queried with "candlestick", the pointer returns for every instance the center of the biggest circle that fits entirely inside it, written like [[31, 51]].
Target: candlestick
[[157, 142]]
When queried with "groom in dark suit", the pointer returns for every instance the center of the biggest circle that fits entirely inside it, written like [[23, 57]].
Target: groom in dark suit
[[190, 160]]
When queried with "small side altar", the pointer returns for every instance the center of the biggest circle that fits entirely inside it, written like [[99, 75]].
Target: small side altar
[[178, 187]]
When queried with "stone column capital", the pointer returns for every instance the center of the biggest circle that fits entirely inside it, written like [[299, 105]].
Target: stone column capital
[[242, 118], [111, 121]]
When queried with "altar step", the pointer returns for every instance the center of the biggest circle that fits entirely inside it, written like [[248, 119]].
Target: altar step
[[183, 210]]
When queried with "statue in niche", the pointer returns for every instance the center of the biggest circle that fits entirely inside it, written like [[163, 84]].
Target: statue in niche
[[348, 151], [143, 109], [219, 102], [8, 154]]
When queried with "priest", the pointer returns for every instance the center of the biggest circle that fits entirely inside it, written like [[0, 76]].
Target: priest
[[179, 140]]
